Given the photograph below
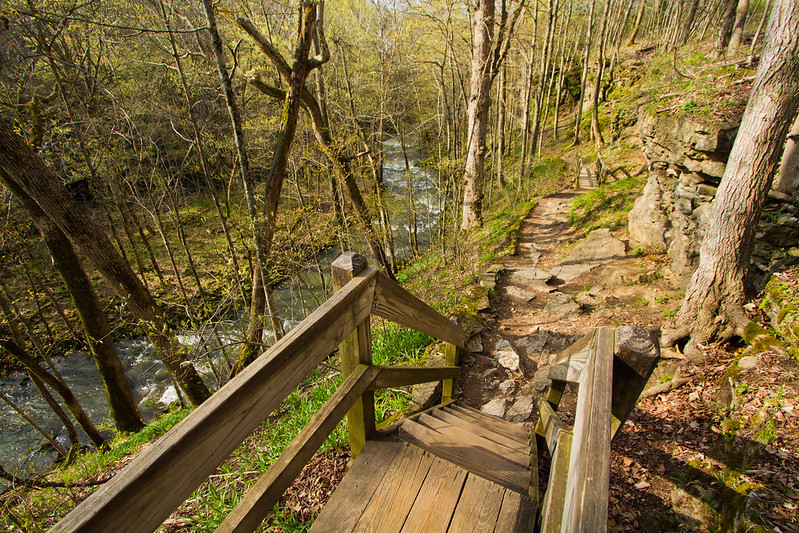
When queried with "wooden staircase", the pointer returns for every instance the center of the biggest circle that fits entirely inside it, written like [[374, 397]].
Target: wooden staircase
[[451, 468]]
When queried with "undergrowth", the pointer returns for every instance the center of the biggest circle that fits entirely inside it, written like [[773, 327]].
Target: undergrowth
[[606, 206]]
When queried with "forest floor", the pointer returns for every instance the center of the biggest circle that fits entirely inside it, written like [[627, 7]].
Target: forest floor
[[717, 452]]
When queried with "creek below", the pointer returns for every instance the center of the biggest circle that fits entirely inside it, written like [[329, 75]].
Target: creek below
[[23, 450]]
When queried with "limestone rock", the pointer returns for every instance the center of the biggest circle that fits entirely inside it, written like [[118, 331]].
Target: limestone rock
[[474, 344], [545, 341], [561, 305], [495, 407], [506, 355], [646, 222], [541, 379], [747, 362], [507, 387], [526, 276], [597, 249], [520, 293], [521, 410]]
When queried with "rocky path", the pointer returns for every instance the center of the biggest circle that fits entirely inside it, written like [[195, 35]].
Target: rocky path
[[554, 289]]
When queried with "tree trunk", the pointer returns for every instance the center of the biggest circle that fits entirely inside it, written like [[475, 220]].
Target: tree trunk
[[299, 71], [578, 114], [727, 20], [689, 22], [479, 104], [759, 32], [499, 152], [29, 173], [738, 28], [788, 179], [637, 25], [600, 70], [120, 396], [713, 307], [59, 387]]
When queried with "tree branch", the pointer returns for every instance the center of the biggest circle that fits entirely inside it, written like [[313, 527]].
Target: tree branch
[[266, 47]]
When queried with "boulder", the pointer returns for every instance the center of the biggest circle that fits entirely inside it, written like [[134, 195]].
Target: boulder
[[506, 356], [495, 407], [521, 410]]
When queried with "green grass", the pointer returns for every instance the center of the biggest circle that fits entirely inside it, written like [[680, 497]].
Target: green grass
[[606, 206]]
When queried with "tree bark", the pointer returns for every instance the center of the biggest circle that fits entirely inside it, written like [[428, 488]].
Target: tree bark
[[578, 114], [20, 165], [738, 28], [713, 307], [479, 104], [727, 21], [637, 25], [299, 71], [788, 178]]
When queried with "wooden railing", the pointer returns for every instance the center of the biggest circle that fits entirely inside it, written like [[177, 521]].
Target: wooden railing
[[156, 482], [611, 368]]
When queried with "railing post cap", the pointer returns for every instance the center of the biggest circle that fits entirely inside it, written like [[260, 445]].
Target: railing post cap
[[350, 262]]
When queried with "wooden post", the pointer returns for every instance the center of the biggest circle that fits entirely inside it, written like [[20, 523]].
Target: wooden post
[[450, 359], [355, 349]]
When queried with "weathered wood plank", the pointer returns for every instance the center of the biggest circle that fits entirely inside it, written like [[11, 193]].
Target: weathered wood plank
[[550, 424], [515, 454], [259, 500], [552, 507], [390, 504], [437, 498], [450, 359], [637, 352], [568, 365], [480, 430], [503, 427], [400, 376], [517, 514], [355, 349], [146, 492], [586, 507], [348, 501], [475, 455], [398, 305], [478, 506]]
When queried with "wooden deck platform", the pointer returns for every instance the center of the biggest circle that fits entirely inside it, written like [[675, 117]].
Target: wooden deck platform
[[451, 468]]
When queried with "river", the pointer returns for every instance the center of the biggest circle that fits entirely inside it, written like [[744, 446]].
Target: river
[[23, 450]]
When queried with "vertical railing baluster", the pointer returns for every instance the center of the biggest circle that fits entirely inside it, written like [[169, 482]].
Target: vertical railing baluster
[[355, 349]]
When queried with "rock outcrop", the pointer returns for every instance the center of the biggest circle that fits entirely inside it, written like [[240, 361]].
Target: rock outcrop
[[687, 160]]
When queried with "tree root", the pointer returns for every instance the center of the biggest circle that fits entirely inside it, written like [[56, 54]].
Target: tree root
[[35, 483], [676, 382]]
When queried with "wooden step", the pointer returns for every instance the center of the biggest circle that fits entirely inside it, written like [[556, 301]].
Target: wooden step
[[467, 439], [395, 486]]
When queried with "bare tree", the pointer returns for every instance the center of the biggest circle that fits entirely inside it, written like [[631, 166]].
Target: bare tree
[[488, 53]]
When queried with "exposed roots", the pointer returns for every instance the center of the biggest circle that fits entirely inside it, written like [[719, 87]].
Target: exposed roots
[[712, 315]]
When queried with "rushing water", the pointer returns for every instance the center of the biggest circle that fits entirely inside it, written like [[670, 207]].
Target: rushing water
[[23, 449]]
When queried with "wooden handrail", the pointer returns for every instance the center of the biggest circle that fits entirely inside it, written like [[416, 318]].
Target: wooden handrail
[[156, 482], [611, 368]]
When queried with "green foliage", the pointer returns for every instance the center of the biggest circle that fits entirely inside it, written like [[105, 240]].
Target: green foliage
[[606, 206]]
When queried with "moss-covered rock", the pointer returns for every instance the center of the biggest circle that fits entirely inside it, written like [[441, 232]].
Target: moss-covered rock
[[781, 304]]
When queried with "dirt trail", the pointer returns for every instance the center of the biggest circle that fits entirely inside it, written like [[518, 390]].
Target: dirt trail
[[554, 289], [671, 468]]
